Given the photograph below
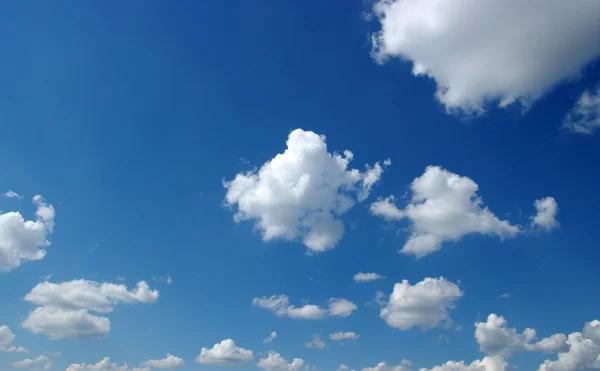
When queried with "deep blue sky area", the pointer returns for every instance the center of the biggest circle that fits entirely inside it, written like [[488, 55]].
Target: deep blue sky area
[[127, 116]]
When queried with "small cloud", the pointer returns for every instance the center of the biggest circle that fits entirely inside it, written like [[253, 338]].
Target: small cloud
[[166, 279], [120, 278], [46, 277], [367, 277], [270, 338], [505, 295], [12, 194], [316, 343]]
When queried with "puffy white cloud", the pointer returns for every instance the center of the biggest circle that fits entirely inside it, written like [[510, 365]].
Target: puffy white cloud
[[493, 363], [405, 365], [545, 218], [58, 323], [22, 240], [494, 337], [224, 353], [270, 338], [7, 337], [64, 307], [444, 207], [316, 343], [170, 362], [90, 295], [280, 305], [28, 363], [302, 192], [104, 365], [583, 352], [424, 305], [343, 367], [274, 362], [367, 277], [349, 335], [489, 51], [12, 194], [584, 117]]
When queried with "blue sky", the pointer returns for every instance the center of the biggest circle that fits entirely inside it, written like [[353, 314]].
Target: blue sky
[[130, 118]]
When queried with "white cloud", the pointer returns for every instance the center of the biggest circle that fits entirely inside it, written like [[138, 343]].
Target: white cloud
[[274, 362], [63, 311], [444, 207], [104, 365], [224, 353], [505, 296], [424, 305], [22, 240], [343, 367], [584, 117], [170, 362], [12, 194], [7, 337], [493, 363], [495, 338], [316, 343], [280, 305], [270, 338], [367, 277], [488, 51], [166, 279], [547, 208], [301, 193], [27, 363], [583, 352], [405, 365], [344, 336]]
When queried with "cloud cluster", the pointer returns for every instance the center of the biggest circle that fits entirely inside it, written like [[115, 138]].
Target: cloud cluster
[[468, 47], [7, 337], [583, 351], [280, 305], [103, 365], [424, 304], [224, 353], [584, 117], [64, 307], [29, 363], [302, 192], [493, 363], [274, 362], [22, 240], [405, 365]]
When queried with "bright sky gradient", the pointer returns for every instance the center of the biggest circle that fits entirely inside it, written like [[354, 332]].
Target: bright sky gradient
[[388, 185]]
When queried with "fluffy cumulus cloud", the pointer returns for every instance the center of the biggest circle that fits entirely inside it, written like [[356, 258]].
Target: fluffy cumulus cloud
[[316, 343], [367, 277], [405, 365], [281, 306], [302, 192], [492, 363], [583, 351], [64, 307], [584, 117], [545, 218], [170, 362], [468, 47], [495, 338], [424, 305], [7, 337], [270, 338], [274, 362], [43, 360], [22, 240], [444, 207], [349, 335], [224, 353], [104, 365]]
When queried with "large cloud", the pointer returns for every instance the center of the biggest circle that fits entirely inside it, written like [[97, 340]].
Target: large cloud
[[22, 240], [7, 337], [280, 305], [103, 365], [444, 207], [583, 352], [302, 192], [424, 305], [494, 337], [584, 117], [274, 362], [170, 362], [224, 353], [63, 311], [489, 51]]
